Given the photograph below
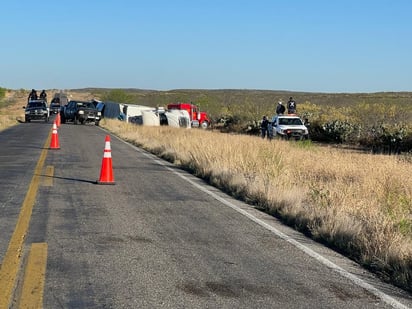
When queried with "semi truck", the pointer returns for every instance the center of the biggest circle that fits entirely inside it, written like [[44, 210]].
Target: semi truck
[[197, 118]]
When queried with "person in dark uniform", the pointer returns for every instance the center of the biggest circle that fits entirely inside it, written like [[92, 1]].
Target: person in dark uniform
[[264, 127], [32, 95], [291, 106], [43, 94]]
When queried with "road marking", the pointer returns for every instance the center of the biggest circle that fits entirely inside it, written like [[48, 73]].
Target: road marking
[[34, 277], [48, 176], [12, 259], [384, 297]]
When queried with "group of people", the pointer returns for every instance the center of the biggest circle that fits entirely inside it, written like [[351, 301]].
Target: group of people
[[33, 95], [280, 110], [291, 105]]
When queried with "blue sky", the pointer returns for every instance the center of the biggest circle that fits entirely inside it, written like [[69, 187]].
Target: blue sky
[[296, 45]]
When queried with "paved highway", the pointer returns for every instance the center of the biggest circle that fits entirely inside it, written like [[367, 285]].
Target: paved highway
[[158, 238]]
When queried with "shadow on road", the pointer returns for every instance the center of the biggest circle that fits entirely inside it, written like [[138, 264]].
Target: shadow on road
[[71, 179]]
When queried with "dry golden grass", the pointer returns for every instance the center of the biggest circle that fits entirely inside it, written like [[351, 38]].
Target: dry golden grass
[[360, 204], [13, 112]]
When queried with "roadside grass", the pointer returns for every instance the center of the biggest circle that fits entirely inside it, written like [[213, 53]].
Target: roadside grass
[[357, 203], [11, 111], [7, 120]]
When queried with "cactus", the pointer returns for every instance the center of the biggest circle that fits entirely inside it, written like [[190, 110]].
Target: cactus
[[340, 131]]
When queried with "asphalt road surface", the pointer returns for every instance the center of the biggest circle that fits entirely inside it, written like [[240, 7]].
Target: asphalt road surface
[[158, 238]]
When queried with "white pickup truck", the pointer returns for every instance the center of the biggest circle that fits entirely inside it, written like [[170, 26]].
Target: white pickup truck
[[289, 127]]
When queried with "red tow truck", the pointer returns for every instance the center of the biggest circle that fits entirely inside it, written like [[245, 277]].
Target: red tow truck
[[197, 118]]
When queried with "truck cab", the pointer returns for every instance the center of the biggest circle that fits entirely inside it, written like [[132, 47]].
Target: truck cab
[[289, 126]]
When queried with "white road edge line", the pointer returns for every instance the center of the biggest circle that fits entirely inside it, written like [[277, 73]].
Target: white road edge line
[[384, 297]]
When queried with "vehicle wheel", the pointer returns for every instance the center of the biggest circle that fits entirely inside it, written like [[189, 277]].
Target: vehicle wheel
[[27, 120], [75, 121], [62, 119], [204, 125], [82, 121], [96, 123]]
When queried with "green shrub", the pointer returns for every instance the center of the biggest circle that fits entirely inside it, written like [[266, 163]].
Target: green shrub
[[117, 95], [2, 92]]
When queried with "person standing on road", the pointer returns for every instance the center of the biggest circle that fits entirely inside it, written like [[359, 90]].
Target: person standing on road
[[264, 127], [291, 106], [280, 109]]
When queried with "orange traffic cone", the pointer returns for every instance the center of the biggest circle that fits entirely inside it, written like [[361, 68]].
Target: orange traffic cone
[[106, 172], [54, 143], [58, 120]]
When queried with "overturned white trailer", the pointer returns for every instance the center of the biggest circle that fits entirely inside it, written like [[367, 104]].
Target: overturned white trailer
[[144, 115]]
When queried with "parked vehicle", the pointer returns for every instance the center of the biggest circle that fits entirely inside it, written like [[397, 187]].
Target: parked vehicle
[[55, 106], [197, 118], [289, 127], [36, 110], [80, 112], [58, 101]]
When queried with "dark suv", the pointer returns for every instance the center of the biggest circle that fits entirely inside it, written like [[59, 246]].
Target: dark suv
[[80, 111], [55, 106], [36, 110], [59, 100]]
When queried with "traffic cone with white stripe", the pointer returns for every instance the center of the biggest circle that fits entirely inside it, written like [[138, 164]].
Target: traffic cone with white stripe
[[54, 143], [106, 172]]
